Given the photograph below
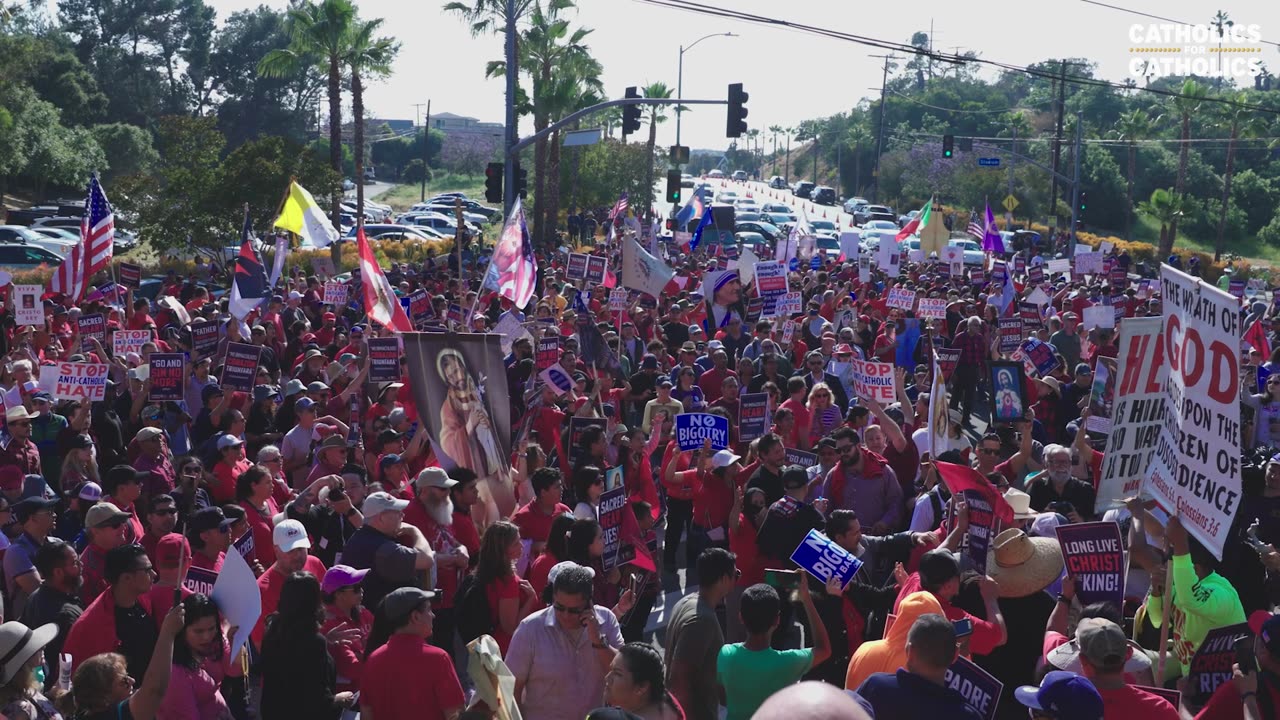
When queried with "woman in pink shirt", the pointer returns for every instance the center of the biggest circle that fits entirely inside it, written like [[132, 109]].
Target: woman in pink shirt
[[201, 659], [253, 490]]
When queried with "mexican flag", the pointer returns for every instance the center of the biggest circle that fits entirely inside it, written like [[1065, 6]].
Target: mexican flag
[[921, 220]]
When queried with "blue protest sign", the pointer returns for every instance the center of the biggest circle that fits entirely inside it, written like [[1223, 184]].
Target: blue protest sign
[[245, 545], [979, 688], [800, 457], [815, 262], [824, 559], [201, 581], [793, 265], [981, 519], [692, 429]]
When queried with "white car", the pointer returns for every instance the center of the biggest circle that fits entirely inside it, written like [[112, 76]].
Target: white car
[[21, 235], [973, 254], [469, 217], [824, 228], [874, 230], [726, 197], [715, 174]]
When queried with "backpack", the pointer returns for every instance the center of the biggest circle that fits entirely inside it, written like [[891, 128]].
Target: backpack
[[471, 605]]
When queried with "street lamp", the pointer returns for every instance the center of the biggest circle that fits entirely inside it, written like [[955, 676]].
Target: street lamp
[[680, 75]]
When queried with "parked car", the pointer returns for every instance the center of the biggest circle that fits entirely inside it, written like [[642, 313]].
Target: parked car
[[778, 218], [770, 231], [468, 206], [853, 204], [725, 197], [973, 254], [58, 234], [829, 245], [26, 257], [467, 216], [823, 195], [740, 175], [423, 233], [873, 230], [802, 189], [875, 212], [777, 182], [750, 240], [904, 220], [19, 235]]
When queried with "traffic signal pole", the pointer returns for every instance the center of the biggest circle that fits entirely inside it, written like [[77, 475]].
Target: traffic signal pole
[[569, 119], [1075, 187]]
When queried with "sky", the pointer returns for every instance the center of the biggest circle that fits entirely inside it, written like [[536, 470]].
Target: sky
[[790, 75]]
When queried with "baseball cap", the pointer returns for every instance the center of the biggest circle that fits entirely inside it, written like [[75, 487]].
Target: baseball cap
[[665, 382], [317, 387], [724, 458], [104, 514], [938, 566], [388, 460], [32, 505], [211, 390], [89, 490], [148, 433], [170, 550], [262, 392], [340, 576], [1084, 369], [381, 502], [649, 362], [715, 345], [304, 403], [41, 396], [1064, 694], [209, 518], [80, 442], [1267, 627], [400, 602], [1103, 644], [229, 440], [290, 535], [433, 477]]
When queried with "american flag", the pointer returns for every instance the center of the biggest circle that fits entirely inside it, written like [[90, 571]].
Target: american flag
[[513, 270], [619, 208], [976, 228], [97, 229]]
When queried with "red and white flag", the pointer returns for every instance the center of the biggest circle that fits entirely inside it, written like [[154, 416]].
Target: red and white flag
[[96, 246], [379, 298], [68, 279]]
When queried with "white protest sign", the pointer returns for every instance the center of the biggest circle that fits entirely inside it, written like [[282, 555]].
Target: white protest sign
[[27, 308], [864, 269], [915, 256], [1195, 470], [1099, 316], [932, 309], [1088, 263], [335, 293], [124, 342], [889, 256], [238, 599], [789, 304], [849, 245], [1137, 413], [1037, 297], [618, 299], [788, 331], [509, 330], [901, 298], [874, 381], [1059, 265], [75, 381], [1105, 247]]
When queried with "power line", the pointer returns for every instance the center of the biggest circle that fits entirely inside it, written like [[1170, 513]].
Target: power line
[[1140, 13], [1000, 111], [700, 9]]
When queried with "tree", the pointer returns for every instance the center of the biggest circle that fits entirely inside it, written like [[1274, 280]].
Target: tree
[[775, 130], [1190, 98], [655, 114], [319, 30], [1221, 22], [258, 172], [128, 148], [1133, 127], [366, 56], [1240, 123], [1165, 207]]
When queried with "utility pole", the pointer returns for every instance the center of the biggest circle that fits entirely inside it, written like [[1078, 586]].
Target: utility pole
[[787, 171], [1075, 185], [875, 174], [426, 130], [1008, 216], [1057, 139], [510, 137]]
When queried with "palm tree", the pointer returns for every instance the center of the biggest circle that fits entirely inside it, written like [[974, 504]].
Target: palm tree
[[790, 132], [1165, 207], [656, 114], [1221, 23], [319, 30], [1189, 100], [366, 56], [774, 130], [1241, 123], [1132, 128], [754, 136], [576, 85], [857, 134]]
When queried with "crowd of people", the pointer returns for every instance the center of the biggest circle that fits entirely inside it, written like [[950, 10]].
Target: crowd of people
[[396, 588]]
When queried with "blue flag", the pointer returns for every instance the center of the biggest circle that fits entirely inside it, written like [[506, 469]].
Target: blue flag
[[692, 209], [697, 234]]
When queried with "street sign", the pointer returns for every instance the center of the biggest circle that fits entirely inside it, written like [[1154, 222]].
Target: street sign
[[577, 138], [1010, 203], [989, 162]]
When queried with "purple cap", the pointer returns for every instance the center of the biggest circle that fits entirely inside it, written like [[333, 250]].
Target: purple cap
[[340, 576]]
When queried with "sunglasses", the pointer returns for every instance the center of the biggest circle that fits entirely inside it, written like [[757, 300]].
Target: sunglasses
[[571, 611], [989, 451]]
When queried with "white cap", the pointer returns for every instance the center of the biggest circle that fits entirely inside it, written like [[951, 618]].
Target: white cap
[[290, 535], [724, 458], [380, 502]]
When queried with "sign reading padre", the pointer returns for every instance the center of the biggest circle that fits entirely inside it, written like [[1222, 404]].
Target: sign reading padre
[[1137, 413], [1195, 471]]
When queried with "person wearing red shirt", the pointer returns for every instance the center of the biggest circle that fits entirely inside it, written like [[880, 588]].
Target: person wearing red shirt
[[326, 331], [104, 526], [209, 533], [407, 678], [712, 380], [254, 489], [799, 436], [230, 467], [162, 516], [1103, 653], [464, 495], [939, 575], [290, 542], [431, 511], [352, 622], [713, 498], [534, 519], [129, 577], [1253, 689]]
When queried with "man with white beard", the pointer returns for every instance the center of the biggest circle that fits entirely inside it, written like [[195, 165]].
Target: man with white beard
[[431, 511]]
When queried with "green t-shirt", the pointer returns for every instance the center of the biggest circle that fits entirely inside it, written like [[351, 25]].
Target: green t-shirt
[[749, 677]]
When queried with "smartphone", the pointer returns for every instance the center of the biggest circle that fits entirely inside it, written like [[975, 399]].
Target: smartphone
[[963, 626], [177, 595], [1244, 655], [781, 579]]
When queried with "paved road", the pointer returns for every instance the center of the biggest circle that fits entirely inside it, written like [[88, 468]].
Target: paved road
[[762, 193]]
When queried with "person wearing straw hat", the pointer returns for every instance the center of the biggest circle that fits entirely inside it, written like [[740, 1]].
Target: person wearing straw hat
[[20, 655]]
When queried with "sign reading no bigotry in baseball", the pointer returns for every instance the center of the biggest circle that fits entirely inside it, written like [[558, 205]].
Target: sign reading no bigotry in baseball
[[1137, 412], [1195, 471], [825, 559], [1095, 560], [75, 381], [693, 429]]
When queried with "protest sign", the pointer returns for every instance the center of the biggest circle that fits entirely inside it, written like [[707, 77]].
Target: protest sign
[[771, 284], [850, 244], [576, 269], [755, 309], [1138, 411], [874, 381], [548, 352], [1210, 666], [802, 458], [1101, 396], [1095, 560], [788, 304], [901, 298], [888, 256], [597, 266], [1019, 264], [998, 272], [1038, 357], [753, 416], [979, 688], [335, 293], [1195, 470], [168, 376], [199, 580], [1099, 316], [1089, 263], [384, 359], [1059, 265], [124, 342], [92, 327], [130, 275], [1236, 287], [1035, 275], [419, 306], [204, 338], [510, 329], [577, 427], [613, 503], [236, 594], [75, 381], [454, 314], [618, 298], [977, 276], [557, 379], [864, 269], [825, 559], [1030, 314], [28, 310], [1038, 298], [245, 545], [948, 358], [1118, 277], [1010, 334], [241, 369], [932, 309], [981, 520], [788, 331], [692, 429], [323, 266]]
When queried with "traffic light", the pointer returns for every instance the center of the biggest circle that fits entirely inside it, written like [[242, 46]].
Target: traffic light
[[673, 186], [948, 145], [631, 114], [671, 224], [679, 154], [493, 182], [522, 181], [737, 121], [1084, 201]]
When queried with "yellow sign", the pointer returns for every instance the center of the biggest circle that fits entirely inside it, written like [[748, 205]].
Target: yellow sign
[[1010, 203]]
